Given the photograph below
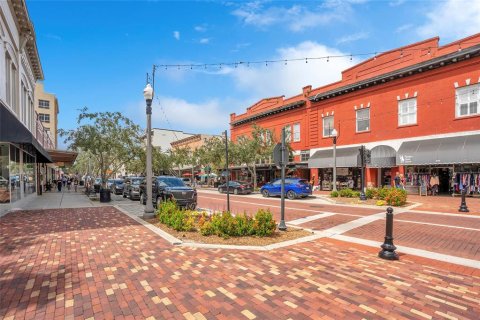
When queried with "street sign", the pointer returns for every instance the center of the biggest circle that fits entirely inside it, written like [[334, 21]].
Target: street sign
[[277, 154]]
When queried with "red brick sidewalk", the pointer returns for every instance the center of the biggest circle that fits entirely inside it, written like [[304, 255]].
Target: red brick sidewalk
[[97, 263]]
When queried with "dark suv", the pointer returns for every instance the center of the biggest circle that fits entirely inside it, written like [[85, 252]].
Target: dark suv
[[170, 188]]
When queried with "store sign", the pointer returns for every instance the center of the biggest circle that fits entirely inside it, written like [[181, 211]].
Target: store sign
[[405, 159], [342, 171]]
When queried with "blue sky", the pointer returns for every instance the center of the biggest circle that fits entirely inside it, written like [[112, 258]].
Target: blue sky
[[97, 53]]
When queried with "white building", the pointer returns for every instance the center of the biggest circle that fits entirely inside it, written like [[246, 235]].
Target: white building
[[22, 137], [162, 138]]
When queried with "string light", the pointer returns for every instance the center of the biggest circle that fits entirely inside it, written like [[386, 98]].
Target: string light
[[306, 59]]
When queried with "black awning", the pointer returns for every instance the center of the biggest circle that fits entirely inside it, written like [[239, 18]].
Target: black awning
[[346, 158], [12, 130], [383, 157], [453, 150]]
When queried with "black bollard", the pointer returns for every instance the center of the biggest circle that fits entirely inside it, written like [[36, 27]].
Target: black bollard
[[463, 205], [388, 249]]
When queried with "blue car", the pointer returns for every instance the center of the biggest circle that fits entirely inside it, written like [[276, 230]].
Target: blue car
[[294, 188]]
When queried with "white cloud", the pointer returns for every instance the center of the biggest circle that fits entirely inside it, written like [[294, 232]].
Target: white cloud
[[404, 27], [297, 17], [279, 79], [201, 28], [204, 40], [396, 3], [176, 35], [353, 37], [204, 116], [452, 19]]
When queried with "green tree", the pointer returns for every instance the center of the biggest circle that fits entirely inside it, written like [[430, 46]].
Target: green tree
[[250, 150], [112, 140]]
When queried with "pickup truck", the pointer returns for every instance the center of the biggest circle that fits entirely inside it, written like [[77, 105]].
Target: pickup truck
[[169, 188]]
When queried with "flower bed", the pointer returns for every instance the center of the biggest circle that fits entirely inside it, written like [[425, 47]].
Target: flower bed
[[222, 228], [382, 196]]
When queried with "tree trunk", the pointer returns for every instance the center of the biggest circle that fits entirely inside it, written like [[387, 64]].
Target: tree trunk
[[254, 177]]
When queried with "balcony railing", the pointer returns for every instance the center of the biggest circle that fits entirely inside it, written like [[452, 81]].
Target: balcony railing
[[42, 135]]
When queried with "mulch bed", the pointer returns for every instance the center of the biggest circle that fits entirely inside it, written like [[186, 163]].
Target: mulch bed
[[278, 236]]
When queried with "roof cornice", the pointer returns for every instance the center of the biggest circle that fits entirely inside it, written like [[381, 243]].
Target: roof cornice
[[27, 30], [286, 107], [431, 64]]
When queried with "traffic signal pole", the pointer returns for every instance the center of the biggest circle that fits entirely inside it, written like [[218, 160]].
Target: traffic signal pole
[[362, 156]]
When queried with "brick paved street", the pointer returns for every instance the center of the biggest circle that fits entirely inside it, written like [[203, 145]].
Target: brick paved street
[[98, 263]]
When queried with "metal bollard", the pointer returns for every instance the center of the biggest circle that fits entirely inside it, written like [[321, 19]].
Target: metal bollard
[[388, 249], [463, 205]]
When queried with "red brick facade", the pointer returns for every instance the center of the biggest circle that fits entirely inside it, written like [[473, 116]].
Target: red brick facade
[[425, 71]]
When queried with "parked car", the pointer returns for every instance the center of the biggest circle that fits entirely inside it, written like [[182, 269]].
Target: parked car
[[187, 181], [109, 183], [294, 188], [236, 187], [170, 188], [97, 185], [3, 182], [131, 187], [117, 186]]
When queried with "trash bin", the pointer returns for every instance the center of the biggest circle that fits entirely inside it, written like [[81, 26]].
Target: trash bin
[[105, 195], [81, 183]]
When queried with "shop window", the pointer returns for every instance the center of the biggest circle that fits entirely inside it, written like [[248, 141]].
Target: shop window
[[4, 174], [296, 132], [467, 100], [363, 120], [328, 126], [44, 104], [304, 155], [407, 111]]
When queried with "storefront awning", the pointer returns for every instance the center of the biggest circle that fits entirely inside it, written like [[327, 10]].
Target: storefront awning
[[63, 156], [12, 130], [383, 157], [453, 150], [346, 158]]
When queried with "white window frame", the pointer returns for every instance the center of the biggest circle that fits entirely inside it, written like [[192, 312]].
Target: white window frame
[[362, 119], [44, 117], [468, 97], [296, 132], [327, 133], [304, 155], [288, 133], [43, 105], [410, 114]]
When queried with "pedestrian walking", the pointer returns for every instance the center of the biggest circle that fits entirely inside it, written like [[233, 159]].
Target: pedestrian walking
[[75, 184], [59, 185], [69, 184], [397, 180]]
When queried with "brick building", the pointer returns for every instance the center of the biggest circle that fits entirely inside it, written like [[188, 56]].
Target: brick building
[[415, 107]]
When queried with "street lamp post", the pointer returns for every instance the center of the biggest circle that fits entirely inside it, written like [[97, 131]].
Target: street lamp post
[[334, 135], [148, 94], [227, 172]]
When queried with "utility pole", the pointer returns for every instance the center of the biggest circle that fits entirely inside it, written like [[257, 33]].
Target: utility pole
[[282, 226]]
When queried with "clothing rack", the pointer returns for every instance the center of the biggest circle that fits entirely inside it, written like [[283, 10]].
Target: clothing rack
[[470, 181]]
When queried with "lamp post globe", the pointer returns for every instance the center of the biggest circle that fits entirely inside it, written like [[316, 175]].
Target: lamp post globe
[[334, 136], [148, 94]]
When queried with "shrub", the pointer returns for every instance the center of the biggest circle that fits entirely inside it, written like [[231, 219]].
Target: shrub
[[264, 224], [334, 194], [382, 193], [175, 218], [244, 225], [396, 197], [207, 229], [355, 194], [371, 193], [380, 203], [346, 193], [224, 224]]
